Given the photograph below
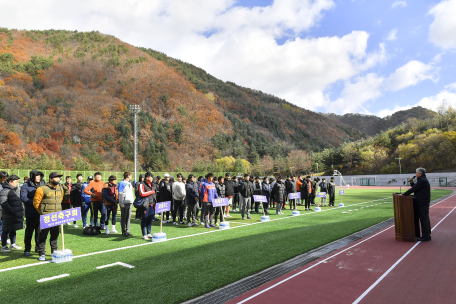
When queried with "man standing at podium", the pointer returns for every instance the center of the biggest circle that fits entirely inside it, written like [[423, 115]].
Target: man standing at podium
[[421, 202]]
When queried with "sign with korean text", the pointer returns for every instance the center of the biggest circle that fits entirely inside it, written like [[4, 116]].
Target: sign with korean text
[[61, 217], [321, 194], [341, 192], [260, 198], [294, 195], [162, 207], [218, 202]]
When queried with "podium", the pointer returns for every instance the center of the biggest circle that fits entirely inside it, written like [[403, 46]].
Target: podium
[[404, 218]]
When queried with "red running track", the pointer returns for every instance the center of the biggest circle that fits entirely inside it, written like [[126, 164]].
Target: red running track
[[375, 270]]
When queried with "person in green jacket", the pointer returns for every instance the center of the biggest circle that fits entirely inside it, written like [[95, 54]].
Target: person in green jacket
[[48, 199]]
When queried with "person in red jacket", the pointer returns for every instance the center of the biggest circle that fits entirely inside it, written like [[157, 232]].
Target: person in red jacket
[[94, 189]]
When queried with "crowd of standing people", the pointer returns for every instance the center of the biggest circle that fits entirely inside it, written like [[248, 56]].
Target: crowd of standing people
[[191, 199]]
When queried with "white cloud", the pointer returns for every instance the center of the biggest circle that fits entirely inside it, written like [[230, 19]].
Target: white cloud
[[392, 35], [399, 3], [387, 112], [448, 95], [432, 102], [354, 95], [411, 74], [442, 32]]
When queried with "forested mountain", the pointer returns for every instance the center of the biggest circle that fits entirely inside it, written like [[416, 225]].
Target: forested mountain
[[428, 143], [65, 96], [373, 125]]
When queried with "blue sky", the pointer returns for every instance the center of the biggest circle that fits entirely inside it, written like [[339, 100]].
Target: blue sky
[[339, 56]]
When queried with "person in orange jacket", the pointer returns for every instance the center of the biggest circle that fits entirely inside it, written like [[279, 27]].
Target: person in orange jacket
[[299, 183], [94, 189]]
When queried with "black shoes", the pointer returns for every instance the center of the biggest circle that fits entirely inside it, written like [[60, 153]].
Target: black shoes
[[424, 239]]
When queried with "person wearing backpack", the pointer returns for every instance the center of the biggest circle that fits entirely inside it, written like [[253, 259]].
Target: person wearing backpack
[[147, 193], [48, 199], [126, 199], [12, 212], [110, 197]]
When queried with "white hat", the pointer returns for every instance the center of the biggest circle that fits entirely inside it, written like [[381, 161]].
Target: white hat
[[167, 175]]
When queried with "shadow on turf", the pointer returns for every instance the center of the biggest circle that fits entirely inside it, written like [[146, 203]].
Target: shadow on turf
[[234, 257]]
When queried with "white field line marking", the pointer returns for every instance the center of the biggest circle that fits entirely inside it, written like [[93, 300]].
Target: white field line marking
[[117, 263], [394, 265], [181, 237], [53, 278], [323, 261]]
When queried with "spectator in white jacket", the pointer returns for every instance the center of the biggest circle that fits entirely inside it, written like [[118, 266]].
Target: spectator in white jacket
[[178, 199]]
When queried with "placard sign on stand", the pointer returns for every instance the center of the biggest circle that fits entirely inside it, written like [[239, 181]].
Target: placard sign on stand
[[260, 198], [341, 192], [321, 194], [222, 202], [294, 195], [160, 208], [60, 218]]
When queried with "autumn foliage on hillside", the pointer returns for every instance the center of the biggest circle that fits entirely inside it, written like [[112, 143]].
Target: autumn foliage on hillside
[[66, 95]]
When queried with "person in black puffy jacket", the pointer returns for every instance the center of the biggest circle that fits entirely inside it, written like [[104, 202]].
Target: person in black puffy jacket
[[229, 193], [32, 217], [279, 195], [12, 212]]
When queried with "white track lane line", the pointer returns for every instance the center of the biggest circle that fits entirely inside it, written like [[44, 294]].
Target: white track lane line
[[322, 261], [181, 237], [53, 278], [395, 264]]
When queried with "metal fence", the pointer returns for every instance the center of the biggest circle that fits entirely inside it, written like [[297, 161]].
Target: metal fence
[[104, 174]]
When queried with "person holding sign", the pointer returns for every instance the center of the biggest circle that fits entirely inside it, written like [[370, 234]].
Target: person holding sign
[[332, 192], [291, 189], [48, 199], [279, 193], [147, 192], [12, 212], [209, 193]]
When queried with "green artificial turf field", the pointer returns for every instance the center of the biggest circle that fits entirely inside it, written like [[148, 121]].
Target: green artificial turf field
[[198, 262]]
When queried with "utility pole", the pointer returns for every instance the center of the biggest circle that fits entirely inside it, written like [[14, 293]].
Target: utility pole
[[400, 169], [135, 109]]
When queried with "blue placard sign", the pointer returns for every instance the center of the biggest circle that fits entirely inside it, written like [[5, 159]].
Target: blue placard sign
[[61, 217], [321, 194], [218, 202], [260, 198], [341, 192], [294, 195], [162, 207]]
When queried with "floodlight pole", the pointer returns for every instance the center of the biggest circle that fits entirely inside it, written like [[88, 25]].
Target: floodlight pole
[[135, 109], [400, 169]]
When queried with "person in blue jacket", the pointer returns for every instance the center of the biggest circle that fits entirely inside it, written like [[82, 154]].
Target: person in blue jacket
[[86, 204], [209, 193], [32, 217]]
